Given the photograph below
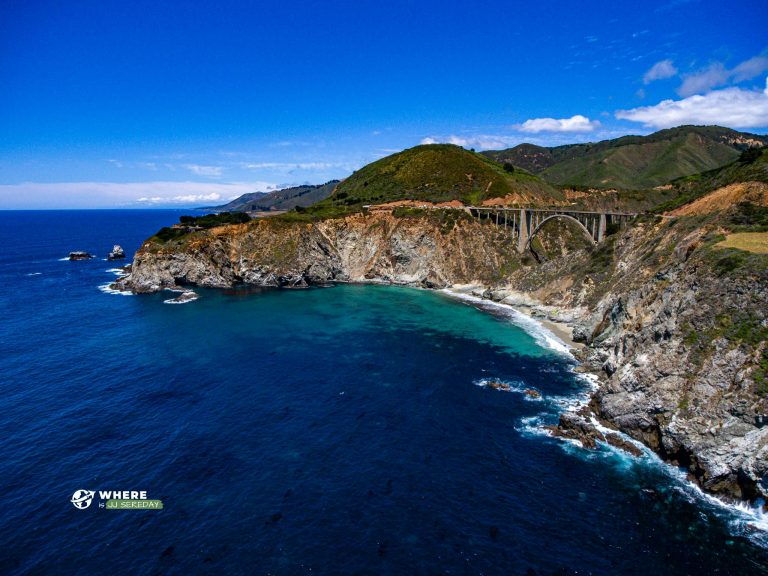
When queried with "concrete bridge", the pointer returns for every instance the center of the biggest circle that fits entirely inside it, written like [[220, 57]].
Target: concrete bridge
[[526, 222]]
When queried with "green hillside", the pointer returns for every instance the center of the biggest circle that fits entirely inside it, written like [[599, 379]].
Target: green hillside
[[633, 162], [751, 166], [439, 173]]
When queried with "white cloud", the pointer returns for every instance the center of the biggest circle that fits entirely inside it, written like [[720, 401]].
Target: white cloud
[[480, 142], [660, 71], [750, 68], [577, 123], [202, 170], [293, 166], [183, 199], [716, 75], [53, 195], [711, 77], [732, 107]]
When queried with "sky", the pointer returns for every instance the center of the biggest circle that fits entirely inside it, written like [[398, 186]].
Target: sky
[[114, 104]]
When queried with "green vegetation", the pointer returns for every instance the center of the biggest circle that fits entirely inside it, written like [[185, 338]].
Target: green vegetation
[[213, 220], [633, 162], [316, 213], [739, 328], [166, 234], [748, 216], [760, 374], [695, 186], [189, 223], [438, 173]]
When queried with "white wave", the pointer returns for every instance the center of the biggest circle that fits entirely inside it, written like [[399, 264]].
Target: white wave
[[108, 290], [575, 402], [65, 259], [533, 426], [34, 274], [116, 271], [543, 336], [743, 519]]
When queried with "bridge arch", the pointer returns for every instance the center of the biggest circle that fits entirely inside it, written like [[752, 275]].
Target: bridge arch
[[581, 226]]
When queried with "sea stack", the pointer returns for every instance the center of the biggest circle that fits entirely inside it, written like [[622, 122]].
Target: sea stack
[[78, 255], [117, 253]]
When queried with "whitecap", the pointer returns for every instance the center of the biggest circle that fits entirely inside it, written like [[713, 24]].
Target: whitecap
[[107, 289], [34, 274]]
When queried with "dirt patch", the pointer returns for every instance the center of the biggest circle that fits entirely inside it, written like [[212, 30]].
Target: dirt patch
[[724, 198]]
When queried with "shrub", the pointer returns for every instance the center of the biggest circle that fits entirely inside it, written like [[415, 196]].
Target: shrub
[[750, 155]]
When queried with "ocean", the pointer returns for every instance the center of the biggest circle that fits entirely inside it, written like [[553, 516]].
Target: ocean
[[337, 430]]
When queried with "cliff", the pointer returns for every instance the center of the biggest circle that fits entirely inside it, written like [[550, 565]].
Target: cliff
[[675, 323]]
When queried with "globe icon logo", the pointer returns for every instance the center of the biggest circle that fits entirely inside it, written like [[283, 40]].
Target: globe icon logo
[[82, 499]]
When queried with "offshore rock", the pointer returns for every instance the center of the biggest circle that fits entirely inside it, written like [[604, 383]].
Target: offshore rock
[[79, 255], [117, 253]]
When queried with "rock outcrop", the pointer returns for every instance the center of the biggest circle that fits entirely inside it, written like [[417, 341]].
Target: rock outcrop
[[676, 331], [79, 255]]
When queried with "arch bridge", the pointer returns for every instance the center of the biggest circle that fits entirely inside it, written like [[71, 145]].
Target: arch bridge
[[526, 222]]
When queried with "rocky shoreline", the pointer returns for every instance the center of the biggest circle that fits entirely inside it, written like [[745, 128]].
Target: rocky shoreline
[[675, 351]]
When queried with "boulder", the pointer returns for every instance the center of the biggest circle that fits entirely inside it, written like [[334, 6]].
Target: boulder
[[80, 255]]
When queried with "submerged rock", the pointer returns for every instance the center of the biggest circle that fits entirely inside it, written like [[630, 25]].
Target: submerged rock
[[497, 385], [117, 253], [79, 255], [183, 298]]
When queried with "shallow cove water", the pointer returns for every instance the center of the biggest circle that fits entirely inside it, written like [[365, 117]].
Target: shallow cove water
[[333, 430]]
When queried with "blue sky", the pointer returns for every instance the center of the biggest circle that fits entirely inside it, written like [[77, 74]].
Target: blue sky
[[129, 104]]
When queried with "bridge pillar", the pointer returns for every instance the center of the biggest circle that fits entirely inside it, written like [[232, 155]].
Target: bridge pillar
[[601, 227], [522, 236]]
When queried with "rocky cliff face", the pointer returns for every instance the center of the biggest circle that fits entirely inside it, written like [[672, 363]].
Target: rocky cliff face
[[677, 331], [678, 337]]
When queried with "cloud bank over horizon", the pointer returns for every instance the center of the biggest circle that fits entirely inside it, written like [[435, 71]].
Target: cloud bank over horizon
[[60, 195]]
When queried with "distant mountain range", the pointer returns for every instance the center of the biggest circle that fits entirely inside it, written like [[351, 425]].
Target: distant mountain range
[[279, 200], [632, 162]]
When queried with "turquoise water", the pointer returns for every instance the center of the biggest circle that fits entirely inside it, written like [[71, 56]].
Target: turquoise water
[[335, 430]]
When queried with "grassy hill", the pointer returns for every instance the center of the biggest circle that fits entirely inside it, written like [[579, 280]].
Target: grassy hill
[[285, 199], [633, 162], [439, 173], [751, 166]]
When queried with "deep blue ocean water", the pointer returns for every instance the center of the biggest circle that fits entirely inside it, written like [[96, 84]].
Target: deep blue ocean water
[[325, 431]]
